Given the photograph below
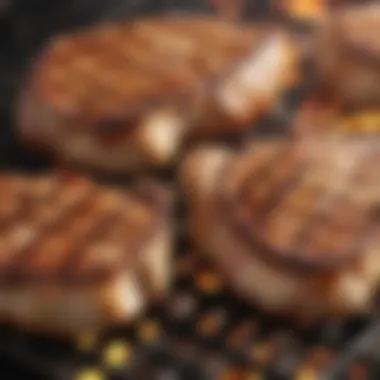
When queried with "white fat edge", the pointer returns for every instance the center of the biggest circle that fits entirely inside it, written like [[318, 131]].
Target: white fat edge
[[357, 286], [158, 258], [128, 297], [200, 171], [259, 76], [270, 287], [354, 292], [160, 135]]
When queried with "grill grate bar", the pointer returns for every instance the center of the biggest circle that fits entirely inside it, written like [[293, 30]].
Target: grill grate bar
[[362, 345], [18, 355]]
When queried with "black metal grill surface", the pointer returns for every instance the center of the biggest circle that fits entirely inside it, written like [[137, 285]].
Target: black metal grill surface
[[201, 331]]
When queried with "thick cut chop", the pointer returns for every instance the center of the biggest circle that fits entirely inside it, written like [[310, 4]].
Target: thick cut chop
[[124, 96], [348, 55], [295, 227], [75, 255]]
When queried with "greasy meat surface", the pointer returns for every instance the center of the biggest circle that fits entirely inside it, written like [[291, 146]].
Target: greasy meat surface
[[294, 226], [123, 96], [76, 255], [348, 55]]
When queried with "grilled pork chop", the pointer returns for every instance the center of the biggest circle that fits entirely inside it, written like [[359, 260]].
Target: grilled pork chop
[[124, 96], [75, 255], [348, 55], [294, 226]]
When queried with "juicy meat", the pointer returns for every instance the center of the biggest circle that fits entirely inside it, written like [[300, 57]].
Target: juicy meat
[[348, 55], [124, 96], [76, 255], [294, 227]]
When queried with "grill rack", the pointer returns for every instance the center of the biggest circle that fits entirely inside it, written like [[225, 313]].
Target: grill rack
[[201, 331]]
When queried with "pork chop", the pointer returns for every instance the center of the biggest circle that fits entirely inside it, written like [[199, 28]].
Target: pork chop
[[294, 226], [77, 255], [124, 96]]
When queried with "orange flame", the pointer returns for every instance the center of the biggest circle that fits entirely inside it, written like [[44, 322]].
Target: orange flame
[[304, 9]]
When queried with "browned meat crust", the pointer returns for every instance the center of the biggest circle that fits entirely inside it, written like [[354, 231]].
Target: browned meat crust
[[125, 95], [76, 255], [293, 225], [348, 55]]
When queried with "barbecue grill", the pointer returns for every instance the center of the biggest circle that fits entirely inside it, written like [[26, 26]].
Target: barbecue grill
[[201, 331]]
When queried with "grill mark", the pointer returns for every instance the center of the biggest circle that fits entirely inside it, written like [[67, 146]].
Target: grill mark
[[42, 262], [161, 53], [72, 260], [283, 190], [137, 38], [200, 53], [213, 34], [88, 263], [186, 36], [24, 203], [26, 209], [63, 191], [292, 212], [26, 259], [323, 212], [354, 49], [296, 259], [131, 73], [79, 265], [179, 73], [262, 173], [104, 215], [13, 214], [362, 237], [177, 35], [319, 217], [162, 81], [127, 235], [281, 187]]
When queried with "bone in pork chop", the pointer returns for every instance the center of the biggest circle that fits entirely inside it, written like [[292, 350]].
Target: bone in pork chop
[[125, 96], [294, 226], [76, 255]]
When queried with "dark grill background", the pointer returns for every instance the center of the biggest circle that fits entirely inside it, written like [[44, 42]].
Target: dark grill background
[[201, 331]]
